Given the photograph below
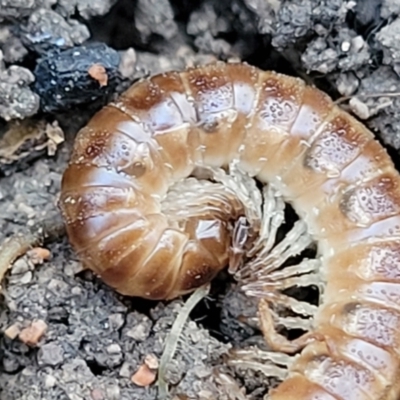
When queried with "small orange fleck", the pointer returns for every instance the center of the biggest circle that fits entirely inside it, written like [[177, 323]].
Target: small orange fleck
[[33, 333], [144, 376], [38, 254], [98, 72]]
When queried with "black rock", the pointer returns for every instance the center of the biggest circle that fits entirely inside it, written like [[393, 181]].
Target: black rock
[[63, 79]]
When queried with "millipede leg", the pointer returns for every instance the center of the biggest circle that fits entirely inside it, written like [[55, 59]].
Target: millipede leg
[[275, 340]]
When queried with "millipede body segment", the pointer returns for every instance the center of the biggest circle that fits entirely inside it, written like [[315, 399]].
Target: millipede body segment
[[325, 163]]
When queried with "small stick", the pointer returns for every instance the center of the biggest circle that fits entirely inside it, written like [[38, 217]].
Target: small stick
[[366, 96], [47, 230]]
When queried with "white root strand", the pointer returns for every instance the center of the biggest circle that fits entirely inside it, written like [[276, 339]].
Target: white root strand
[[171, 341]]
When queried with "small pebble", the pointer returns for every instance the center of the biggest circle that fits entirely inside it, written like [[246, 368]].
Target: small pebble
[[76, 291], [20, 266], [206, 395], [144, 376], [13, 331], [174, 373], [359, 108], [10, 364], [24, 208], [97, 394], [357, 43], [347, 84], [73, 396], [26, 278], [33, 333], [202, 372], [50, 381], [73, 268], [116, 321], [141, 331], [128, 63], [50, 354], [57, 285], [126, 370], [151, 361], [113, 392], [114, 348], [345, 47]]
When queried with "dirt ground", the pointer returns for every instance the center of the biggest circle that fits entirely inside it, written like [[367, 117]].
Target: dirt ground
[[96, 339]]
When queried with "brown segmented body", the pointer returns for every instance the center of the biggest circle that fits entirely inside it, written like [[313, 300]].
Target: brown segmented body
[[324, 162]]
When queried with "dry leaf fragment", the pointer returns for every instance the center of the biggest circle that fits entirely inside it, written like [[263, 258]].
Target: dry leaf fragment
[[55, 137], [22, 139]]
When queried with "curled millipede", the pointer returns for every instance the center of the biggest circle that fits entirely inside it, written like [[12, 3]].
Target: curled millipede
[[126, 174]]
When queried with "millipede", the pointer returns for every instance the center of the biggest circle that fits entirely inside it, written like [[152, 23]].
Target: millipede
[[117, 205]]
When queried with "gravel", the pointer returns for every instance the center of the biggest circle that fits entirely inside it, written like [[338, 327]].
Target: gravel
[[96, 340]]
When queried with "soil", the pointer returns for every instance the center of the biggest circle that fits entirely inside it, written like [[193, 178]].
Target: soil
[[95, 339]]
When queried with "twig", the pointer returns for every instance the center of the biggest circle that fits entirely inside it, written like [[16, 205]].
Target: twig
[[15, 246], [367, 95]]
